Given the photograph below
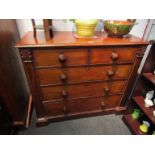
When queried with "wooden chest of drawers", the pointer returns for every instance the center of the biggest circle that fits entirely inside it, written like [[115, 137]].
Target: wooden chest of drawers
[[71, 77]]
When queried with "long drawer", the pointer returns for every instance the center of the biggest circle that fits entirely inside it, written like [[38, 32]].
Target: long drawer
[[83, 56], [81, 105], [82, 74], [82, 90]]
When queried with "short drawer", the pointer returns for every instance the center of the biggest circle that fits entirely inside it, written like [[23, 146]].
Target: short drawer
[[82, 90], [113, 55], [81, 106], [60, 57], [82, 74]]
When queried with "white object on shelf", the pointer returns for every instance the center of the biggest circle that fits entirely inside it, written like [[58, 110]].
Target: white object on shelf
[[149, 94], [148, 102]]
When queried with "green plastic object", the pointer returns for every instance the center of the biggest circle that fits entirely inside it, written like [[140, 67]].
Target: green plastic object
[[136, 113]]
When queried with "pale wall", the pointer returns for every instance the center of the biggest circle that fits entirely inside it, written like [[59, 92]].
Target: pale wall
[[25, 25]]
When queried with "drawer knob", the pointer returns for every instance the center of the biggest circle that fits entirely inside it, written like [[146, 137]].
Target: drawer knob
[[64, 94], [62, 58], [65, 109], [114, 56], [103, 104], [106, 90], [110, 73], [63, 77]]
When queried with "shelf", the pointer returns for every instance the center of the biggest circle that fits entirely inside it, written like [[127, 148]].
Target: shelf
[[139, 100], [150, 77], [132, 124]]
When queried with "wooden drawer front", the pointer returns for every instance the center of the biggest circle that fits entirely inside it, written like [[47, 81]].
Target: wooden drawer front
[[84, 90], [50, 57], [104, 55], [75, 75], [54, 108], [92, 104], [81, 105]]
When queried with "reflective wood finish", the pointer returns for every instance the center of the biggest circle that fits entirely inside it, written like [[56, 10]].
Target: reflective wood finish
[[82, 74], [71, 77], [71, 58], [53, 57], [67, 39], [80, 106], [83, 90]]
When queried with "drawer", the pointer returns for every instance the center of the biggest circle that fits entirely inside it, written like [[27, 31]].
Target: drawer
[[111, 55], [59, 57], [92, 104], [81, 105], [83, 90], [54, 108], [82, 74]]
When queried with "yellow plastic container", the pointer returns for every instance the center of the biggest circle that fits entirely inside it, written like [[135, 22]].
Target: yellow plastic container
[[85, 28], [145, 126]]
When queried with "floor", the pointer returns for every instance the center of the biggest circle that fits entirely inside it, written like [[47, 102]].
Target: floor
[[99, 125]]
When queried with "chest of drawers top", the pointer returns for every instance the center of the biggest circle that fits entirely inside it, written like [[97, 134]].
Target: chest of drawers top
[[67, 39]]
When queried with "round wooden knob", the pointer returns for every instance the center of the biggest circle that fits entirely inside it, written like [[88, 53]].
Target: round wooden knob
[[64, 94], [62, 58], [110, 73], [65, 109], [106, 90], [103, 104], [63, 77], [114, 56]]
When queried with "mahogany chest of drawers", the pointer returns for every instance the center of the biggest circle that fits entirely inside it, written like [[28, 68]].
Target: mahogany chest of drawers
[[71, 77]]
